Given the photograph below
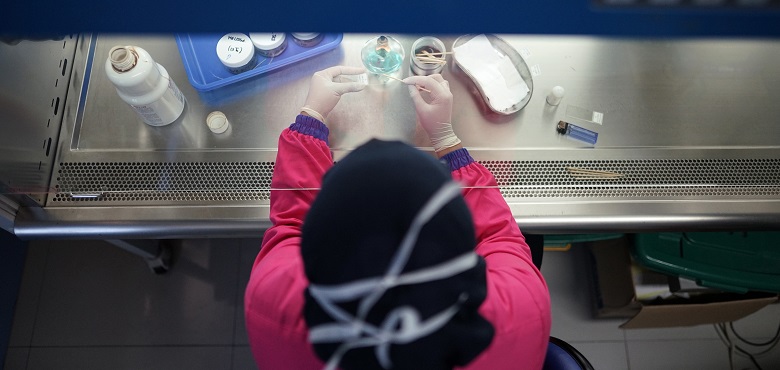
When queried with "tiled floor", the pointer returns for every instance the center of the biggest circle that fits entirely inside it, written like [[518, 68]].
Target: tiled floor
[[88, 305]]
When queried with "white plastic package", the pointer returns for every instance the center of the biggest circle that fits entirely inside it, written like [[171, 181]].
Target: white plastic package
[[493, 71]]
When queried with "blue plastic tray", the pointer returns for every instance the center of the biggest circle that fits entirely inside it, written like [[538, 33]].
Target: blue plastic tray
[[206, 72]]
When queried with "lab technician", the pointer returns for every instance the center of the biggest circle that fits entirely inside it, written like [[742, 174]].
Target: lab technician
[[390, 258]]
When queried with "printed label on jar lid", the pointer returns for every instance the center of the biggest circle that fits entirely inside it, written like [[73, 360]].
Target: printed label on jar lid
[[235, 50], [267, 41]]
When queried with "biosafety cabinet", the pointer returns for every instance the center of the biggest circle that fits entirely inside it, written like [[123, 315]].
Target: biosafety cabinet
[[688, 138]]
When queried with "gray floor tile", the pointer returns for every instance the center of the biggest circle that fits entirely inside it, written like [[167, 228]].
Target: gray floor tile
[[16, 358], [570, 294], [113, 313], [770, 360], [29, 294], [604, 355], [242, 359], [762, 324], [249, 250], [97, 294], [118, 358], [686, 332], [678, 354]]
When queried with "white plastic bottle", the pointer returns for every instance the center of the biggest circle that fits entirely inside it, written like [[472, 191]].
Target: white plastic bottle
[[145, 85]]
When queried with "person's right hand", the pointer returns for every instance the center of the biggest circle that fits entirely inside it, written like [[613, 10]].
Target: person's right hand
[[435, 115]]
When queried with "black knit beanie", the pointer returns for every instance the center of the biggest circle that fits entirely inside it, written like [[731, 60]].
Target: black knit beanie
[[353, 230]]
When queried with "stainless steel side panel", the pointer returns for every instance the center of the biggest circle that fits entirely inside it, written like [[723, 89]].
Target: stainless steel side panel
[[34, 78]]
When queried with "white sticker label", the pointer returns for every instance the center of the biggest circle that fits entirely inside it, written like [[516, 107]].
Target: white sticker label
[[536, 70], [360, 79], [598, 117], [525, 53]]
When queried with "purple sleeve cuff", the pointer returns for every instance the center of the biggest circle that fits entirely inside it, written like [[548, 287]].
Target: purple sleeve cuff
[[458, 159], [310, 126]]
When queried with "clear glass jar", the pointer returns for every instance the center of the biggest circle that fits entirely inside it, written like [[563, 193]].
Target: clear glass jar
[[236, 51], [307, 39], [269, 45], [382, 55]]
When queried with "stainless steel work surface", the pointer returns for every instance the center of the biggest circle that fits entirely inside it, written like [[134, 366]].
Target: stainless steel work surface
[[691, 124], [686, 93]]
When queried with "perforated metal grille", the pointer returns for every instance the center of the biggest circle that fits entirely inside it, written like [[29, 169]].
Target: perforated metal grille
[[225, 182], [656, 178], [164, 181]]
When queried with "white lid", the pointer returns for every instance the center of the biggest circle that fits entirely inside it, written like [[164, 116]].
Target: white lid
[[235, 50], [305, 36], [217, 122], [267, 41]]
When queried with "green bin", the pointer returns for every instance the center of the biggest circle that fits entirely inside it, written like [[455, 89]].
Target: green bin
[[731, 261], [563, 242]]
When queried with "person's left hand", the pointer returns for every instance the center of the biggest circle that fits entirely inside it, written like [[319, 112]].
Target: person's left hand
[[324, 93]]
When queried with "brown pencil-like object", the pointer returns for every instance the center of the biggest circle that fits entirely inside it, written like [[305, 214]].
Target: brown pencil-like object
[[418, 87], [592, 172], [428, 57], [429, 53], [431, 60], [586, 174]]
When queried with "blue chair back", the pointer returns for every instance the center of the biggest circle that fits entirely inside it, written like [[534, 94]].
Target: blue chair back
[[562, 356]]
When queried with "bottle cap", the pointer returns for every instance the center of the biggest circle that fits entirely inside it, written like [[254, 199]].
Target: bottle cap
[[305, 36], [235, 50], [122, 58], [217, 122], [267, 41], [555, 96]]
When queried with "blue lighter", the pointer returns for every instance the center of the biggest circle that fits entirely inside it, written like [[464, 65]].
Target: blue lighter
[[577, 132]]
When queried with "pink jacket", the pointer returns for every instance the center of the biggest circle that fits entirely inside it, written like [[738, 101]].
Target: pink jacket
[[517, 303]]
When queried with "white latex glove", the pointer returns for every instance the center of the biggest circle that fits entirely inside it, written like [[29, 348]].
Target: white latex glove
[[435, 115], [324, 93]]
